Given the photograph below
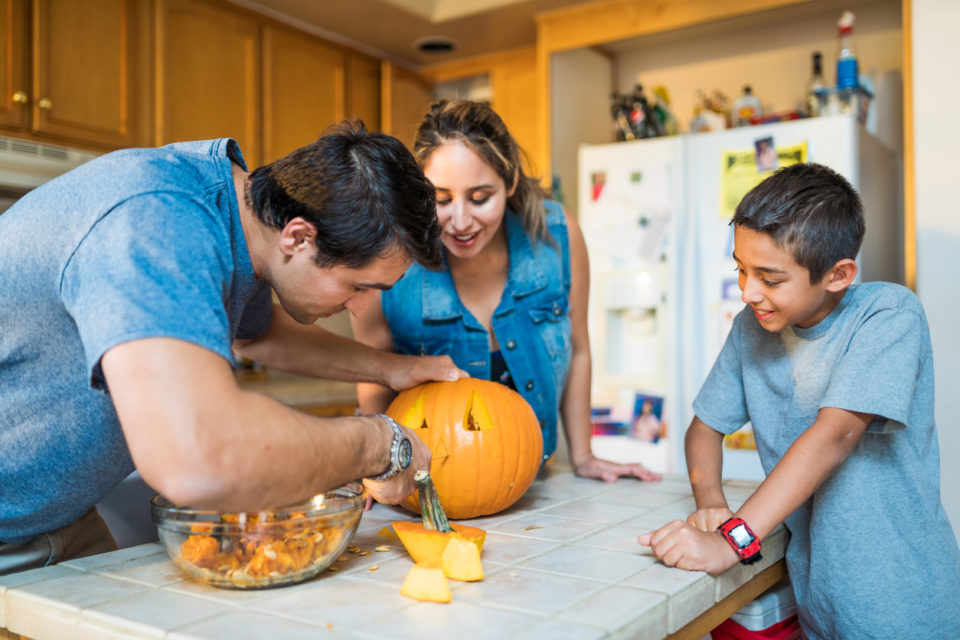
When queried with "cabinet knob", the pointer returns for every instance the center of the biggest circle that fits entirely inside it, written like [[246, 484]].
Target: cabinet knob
[[45, 103], [20, 97]]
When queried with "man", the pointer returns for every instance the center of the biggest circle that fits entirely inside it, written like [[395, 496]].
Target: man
[[127, 284]]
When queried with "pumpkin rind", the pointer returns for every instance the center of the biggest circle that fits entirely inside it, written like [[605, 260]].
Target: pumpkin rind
[[485, 438]]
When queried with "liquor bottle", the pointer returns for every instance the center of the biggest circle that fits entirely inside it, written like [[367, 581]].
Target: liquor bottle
[[815, 85], [621, 117], [746, 108], [642, 120]]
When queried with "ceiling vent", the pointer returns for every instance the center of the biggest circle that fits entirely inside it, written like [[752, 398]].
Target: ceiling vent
[[435, 44]]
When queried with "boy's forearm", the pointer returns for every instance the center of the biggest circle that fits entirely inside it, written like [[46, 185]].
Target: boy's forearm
[[705, 464], [810, 460]]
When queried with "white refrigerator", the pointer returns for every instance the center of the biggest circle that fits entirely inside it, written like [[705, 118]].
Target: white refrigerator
[[655, 215]]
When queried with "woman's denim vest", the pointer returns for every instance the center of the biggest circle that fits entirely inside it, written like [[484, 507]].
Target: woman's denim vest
[[531, 323]]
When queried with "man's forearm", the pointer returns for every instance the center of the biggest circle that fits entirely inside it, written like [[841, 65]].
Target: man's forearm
[[264, 454]]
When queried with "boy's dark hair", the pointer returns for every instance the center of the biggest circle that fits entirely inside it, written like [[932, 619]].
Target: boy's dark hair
[[809, 210], [362, 191]]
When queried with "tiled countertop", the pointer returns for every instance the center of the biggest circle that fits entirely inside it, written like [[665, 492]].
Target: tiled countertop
[[563, 563]]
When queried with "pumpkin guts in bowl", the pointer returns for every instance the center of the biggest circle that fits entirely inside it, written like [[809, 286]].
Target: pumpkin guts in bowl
[[259, 549]]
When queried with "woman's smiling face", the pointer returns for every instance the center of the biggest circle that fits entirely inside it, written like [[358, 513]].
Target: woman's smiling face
[[471, 198]]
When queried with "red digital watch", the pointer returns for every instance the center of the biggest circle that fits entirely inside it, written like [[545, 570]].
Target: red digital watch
[[742, 539]]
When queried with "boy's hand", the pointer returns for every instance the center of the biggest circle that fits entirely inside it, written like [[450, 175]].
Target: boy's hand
[[709, 518], [678, 544]]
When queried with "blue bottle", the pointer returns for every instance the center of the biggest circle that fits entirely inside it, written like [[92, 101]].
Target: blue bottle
[[847, 72]]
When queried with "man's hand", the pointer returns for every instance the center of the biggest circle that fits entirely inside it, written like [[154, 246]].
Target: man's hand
[[404, 372], [709, 518], [678, 544], [395, 489], [592, 467]]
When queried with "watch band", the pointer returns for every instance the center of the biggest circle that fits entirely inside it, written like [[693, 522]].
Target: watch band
[[399, 450], [741, 537]]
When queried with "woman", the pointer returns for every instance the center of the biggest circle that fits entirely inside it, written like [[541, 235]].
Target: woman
[[511, 303]]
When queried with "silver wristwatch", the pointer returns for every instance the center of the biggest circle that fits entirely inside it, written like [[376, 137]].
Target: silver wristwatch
[[401, 451]]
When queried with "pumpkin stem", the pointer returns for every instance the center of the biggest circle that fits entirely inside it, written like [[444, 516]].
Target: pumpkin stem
[[430, 508]]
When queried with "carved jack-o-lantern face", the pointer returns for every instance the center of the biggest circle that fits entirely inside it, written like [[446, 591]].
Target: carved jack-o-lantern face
[[485, 439]]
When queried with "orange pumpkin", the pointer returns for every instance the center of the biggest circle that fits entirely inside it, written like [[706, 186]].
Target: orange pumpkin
[[485, 438]]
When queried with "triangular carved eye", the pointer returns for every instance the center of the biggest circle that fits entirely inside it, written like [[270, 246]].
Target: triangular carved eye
[[476, 418], [415, 418]]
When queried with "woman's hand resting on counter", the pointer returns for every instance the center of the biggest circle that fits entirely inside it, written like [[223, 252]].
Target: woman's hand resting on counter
[[593, 467]]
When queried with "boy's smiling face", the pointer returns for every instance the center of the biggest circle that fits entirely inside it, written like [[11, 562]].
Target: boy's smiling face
[[778, 289]]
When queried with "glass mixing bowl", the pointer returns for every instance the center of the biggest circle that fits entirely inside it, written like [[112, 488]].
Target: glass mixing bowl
[[254, 550]]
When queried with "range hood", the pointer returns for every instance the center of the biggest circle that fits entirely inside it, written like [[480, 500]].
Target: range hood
[[25, 164]]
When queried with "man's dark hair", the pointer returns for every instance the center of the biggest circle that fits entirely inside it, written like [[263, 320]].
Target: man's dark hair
[[809, 210], [362, 191]]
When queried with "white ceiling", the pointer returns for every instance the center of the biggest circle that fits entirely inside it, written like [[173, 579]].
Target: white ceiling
[[389, 28]]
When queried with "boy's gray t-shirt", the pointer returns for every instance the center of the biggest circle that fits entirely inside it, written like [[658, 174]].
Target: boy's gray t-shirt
[[871, 553], [139, 243]]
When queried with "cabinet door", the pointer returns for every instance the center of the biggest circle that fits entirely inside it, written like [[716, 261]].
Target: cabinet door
[[82, 54], [363, 90], [513, 83], [208, 75], [14, 56], [303, 79], [406, 97]]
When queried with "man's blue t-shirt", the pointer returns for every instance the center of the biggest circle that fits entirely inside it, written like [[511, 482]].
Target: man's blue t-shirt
[[871, 553], [139, 243]]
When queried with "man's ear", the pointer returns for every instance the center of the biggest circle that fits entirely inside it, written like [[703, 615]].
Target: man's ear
[[298, 235], [841, 275]]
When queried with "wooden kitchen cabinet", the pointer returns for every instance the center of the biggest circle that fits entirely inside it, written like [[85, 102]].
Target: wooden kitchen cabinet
[[69, 70], [511, 76], [208, 72], [363, 90], [14, 65], [404, 98], [303, 89]]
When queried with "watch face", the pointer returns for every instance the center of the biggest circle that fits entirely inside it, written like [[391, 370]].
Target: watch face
[[405, 453], [740, 536]]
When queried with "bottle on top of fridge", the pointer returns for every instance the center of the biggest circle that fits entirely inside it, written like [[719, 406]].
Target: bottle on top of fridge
[[847, 71], [642, 120], [815, 86], [746, 108]]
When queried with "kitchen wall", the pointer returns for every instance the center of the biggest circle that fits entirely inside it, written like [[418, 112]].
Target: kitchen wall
[[937, 137], [580, 77]]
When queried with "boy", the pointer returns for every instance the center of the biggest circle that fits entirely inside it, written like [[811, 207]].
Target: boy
[[837, 380]]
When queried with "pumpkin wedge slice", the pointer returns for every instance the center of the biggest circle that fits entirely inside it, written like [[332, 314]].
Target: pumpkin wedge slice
[[427, 584], [461, 560], [426, 546]]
